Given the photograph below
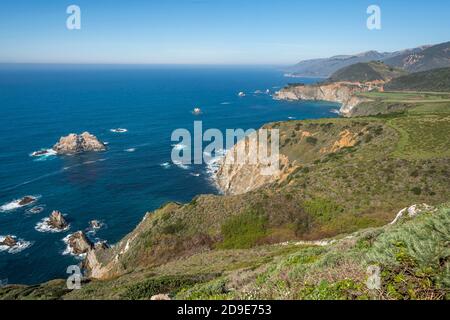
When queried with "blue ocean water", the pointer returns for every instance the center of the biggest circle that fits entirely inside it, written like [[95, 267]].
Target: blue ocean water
[[39, 104]]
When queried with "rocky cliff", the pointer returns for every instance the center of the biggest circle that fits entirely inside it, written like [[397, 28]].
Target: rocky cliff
[[237, 177], [341, 92]]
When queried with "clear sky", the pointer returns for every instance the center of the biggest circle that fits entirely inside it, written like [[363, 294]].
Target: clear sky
[[213, 31]]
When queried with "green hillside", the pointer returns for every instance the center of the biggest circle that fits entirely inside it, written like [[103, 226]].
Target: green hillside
[[437, 80], [411, 255], [364, 72], [413, 103]]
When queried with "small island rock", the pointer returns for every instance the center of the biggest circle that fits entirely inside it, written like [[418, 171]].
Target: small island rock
[[9, 241], [74, 143], [57, 221], [26, 201], [95, 224]]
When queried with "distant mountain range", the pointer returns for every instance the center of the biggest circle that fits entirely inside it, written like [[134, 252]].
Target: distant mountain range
[[429, 58], [412, 60]]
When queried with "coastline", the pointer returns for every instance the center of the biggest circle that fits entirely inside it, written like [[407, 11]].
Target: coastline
[[75, 175]]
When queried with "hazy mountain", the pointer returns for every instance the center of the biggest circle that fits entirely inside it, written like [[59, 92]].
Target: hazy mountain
[[429, 58], [324, 68]]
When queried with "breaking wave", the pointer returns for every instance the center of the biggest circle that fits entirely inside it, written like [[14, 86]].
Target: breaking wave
[[44, 226], [43, 154], [18, 247], [15, 204]]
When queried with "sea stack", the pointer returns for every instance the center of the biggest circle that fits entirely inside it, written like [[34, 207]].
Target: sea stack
[[74, 143], [9, 241], [26, 201], [79, 243], [95, 224], [57, 221]]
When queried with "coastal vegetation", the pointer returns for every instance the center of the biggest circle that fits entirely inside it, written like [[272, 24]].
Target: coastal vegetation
[[411, 255], [411, 103]]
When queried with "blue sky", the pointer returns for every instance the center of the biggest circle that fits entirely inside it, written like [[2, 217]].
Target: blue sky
[[212, 31]]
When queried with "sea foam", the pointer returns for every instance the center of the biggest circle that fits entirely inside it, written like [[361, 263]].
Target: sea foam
[[180, 165], [119, 130], [213, 162], [18, 247], [15, 204], [44, 226], [69, 250]]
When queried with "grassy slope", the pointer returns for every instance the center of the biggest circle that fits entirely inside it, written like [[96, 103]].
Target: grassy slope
[[363, 72], [332, 192], [412, 256], [409, 102], [434, 80]]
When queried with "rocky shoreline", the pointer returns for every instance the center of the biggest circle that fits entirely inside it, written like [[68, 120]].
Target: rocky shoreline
[[340, 92], [238, 178]]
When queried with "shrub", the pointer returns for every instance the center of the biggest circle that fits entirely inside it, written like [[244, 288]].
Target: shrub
[[322, 209], [342, 290], [173, 228], [212, 290], [415, 258], [417, 191], [311, 140], [165, 284], [243, 231]]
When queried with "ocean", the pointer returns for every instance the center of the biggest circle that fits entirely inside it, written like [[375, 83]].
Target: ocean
[[39, 104]]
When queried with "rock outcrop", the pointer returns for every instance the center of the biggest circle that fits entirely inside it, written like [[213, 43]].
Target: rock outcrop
[[160, 297], [8, 241], [412, 211], [57, 221], [79, 243], [26, 200], [95, 224], [98, 262], [237, 177], [74, 143], [340, 92]]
